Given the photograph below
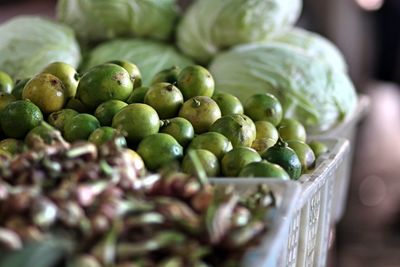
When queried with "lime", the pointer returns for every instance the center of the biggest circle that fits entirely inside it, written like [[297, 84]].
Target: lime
[[201, 111], [165, 98], [207, 159], [137, 95], [291, 129], [12, 146], [57, 119], [264, 169], [238, 128], [262, 144], [216, 143], [228, 103], [67, 75], [137, 121], [80, 127], [6, 99], [195, 81], [102, 83], [19, 87], [132, 69], [46, 91], [19, 117], [104, 134], [6, 83], [234, 161], [179, 128], [5, 155], [167, 76], [158, 150], [284, 156], [264, 107], [304, 153], [43, 131], [318, 148], [106, 111], [265, 129]]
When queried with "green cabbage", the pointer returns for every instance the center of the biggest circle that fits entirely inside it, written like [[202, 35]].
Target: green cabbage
[[96, 20], [310, 90], [211, 25], [28, 44], [150, 56], [315, 45]]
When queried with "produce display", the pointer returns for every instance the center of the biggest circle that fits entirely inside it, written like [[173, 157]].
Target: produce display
[[107, 213], [168, 121], [114, 115]]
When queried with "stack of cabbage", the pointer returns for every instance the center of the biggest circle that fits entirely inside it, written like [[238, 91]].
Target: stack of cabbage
[[250, 46]]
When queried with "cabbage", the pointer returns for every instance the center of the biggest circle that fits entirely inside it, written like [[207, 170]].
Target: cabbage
[[211, 25], [315, 45], [28, 44], [310, 90], [96, 20], [150, 56]]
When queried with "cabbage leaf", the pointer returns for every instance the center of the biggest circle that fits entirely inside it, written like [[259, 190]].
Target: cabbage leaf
[[309, 90], [98, 20], [29, 43], [209, 26]]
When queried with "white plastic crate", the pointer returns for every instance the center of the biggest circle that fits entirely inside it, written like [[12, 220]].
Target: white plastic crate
[[347, 130], [307, 233], [271, 252]]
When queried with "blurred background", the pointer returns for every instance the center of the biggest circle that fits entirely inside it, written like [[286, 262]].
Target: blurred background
[[368, 33]]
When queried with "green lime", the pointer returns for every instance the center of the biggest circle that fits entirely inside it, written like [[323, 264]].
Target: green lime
[[238, 128], [265, 129], [19, 117], [262, 144], [179, 128], [57, 119], [106, 111], [6, 99], [137, 95], [80, 127], [46, 91], [165, 98], [6, 83], [104, 134], [137, 121], [12, 146], [207, 159], [235, 160], [284, 156], [228, 103], [195, 81], [67, 75], [158, 150], [102, 83], [264, 169], [305, 153], [216, 143], [19, 87], [318, 148], [132, 69], [167, 76], [43, 131], [76, 105], [201, 111], [264, 107], [291, 129]]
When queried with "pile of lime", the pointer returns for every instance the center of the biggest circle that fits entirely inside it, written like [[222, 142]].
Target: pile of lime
[[179, 111]]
